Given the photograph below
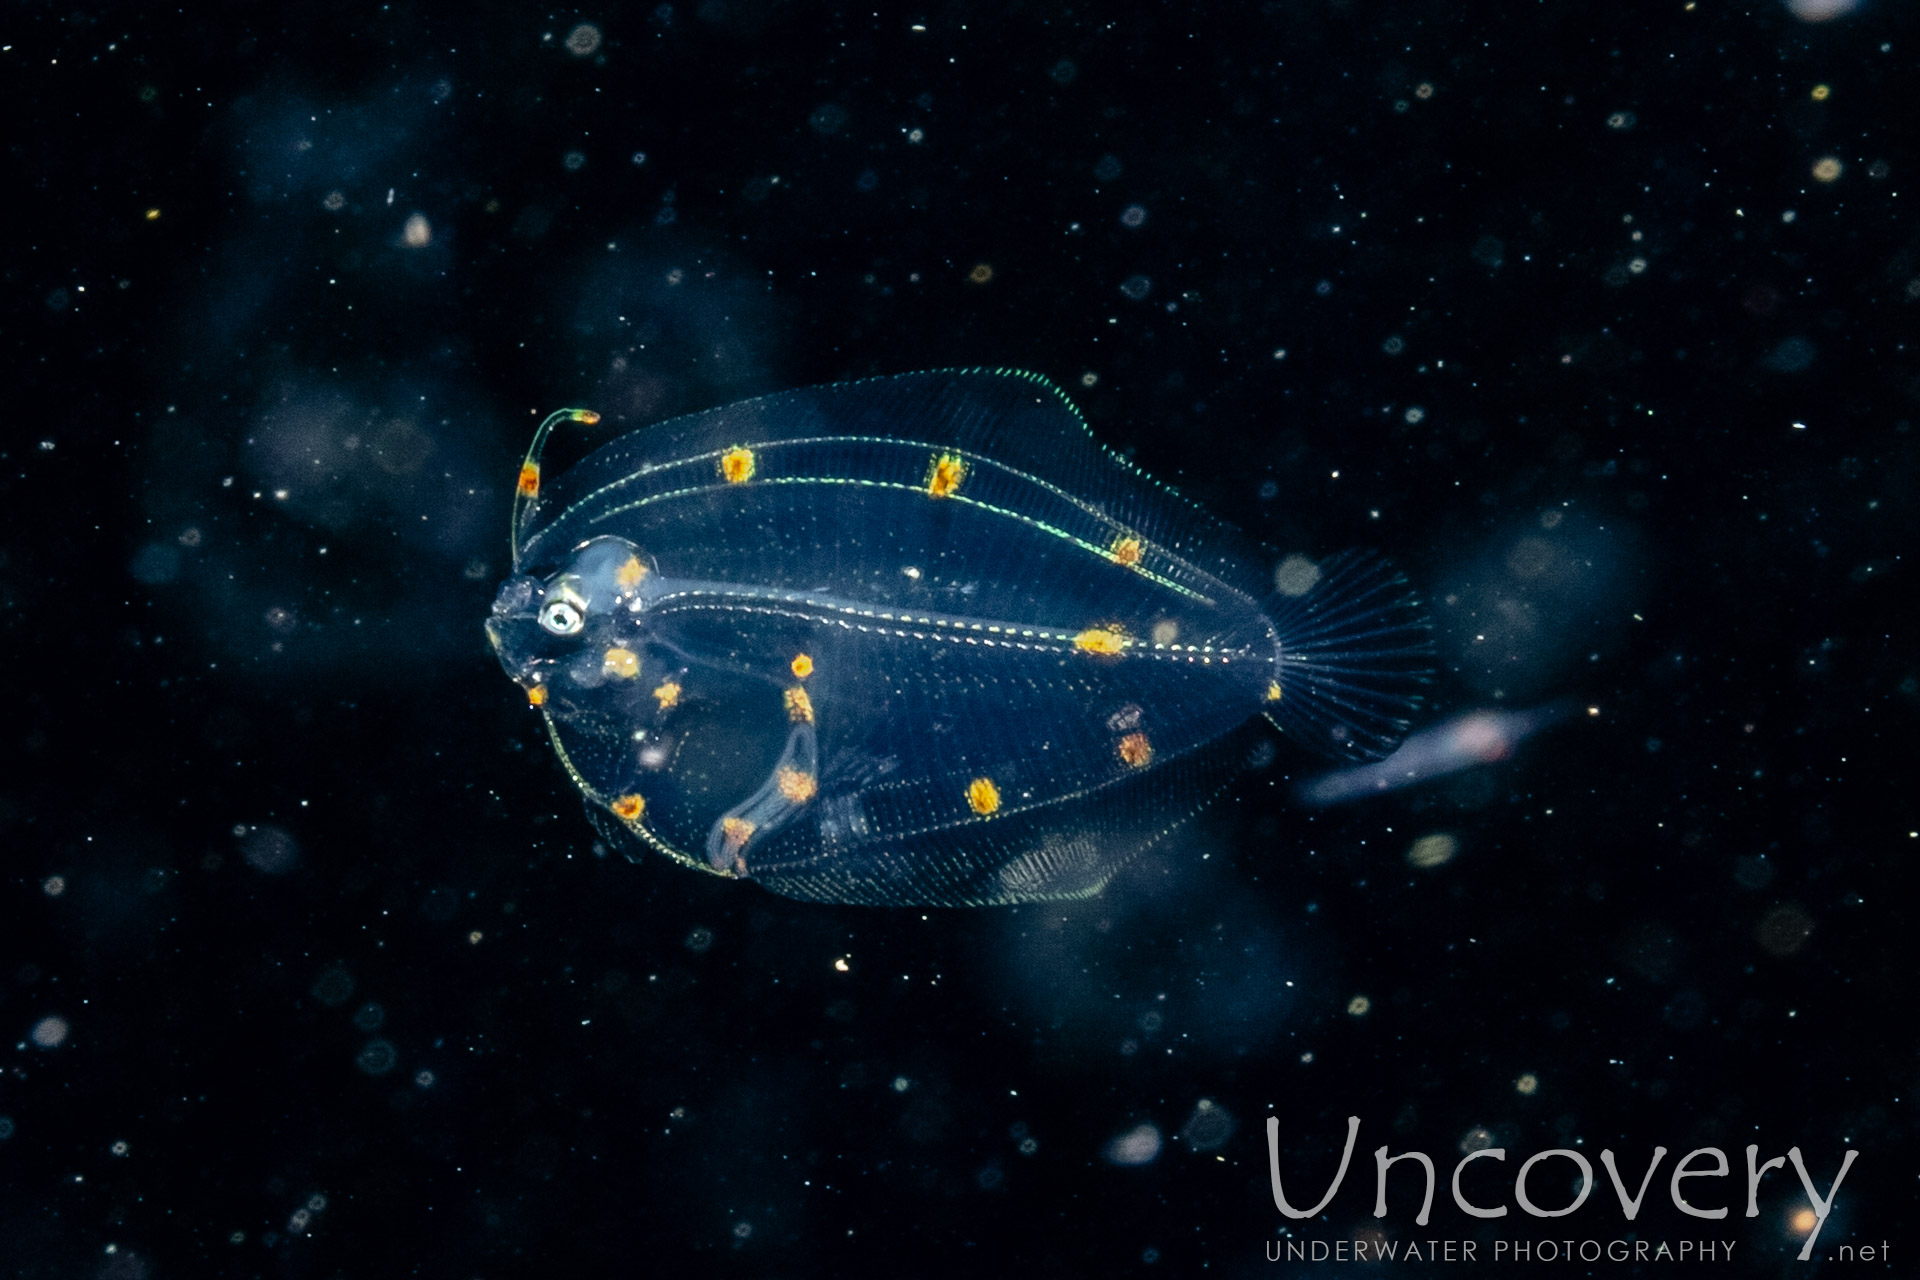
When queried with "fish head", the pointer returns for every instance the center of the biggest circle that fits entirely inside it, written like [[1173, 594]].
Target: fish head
[[581, 621]]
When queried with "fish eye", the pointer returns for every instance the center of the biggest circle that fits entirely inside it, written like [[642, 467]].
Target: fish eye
[[561, 617]]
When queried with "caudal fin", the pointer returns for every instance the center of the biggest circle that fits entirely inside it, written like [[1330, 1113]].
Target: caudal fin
[[1356, 655]]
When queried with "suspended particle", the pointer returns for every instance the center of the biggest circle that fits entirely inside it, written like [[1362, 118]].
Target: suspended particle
[[333, 987], [1134, 216], [417, 233], [981, 273], [1828, 169], [1295, 576], [1208, 1128], [1139, 1145], [1821, 10], [1359, 1006], [584, 40], [1621, 121], [1432, 851], [1136, 287], [376, 1057]]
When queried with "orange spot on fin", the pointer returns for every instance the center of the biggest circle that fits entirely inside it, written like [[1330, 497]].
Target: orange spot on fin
[[982, 796], [945, 475], [1105, 640]]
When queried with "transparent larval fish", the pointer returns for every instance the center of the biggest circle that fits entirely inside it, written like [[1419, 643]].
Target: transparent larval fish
[[920, 640]]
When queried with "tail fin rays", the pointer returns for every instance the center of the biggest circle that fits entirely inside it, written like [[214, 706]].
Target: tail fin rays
[[1356, 655]]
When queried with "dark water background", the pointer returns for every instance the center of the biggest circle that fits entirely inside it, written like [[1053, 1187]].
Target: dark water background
[[1599, 318]]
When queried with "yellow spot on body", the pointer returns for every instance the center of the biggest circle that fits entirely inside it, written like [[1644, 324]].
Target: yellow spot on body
[[1135, 751], [1125, 551], [802, 666], [627, 808], [982, 796], [797, 786], [624, 663], [737, 465], [631, 572], [736, 832], [1273, 691], [667, 695], [587, 416], [945, 475], [1101, 640], [537, 696], [529, 480], [799, 706]]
